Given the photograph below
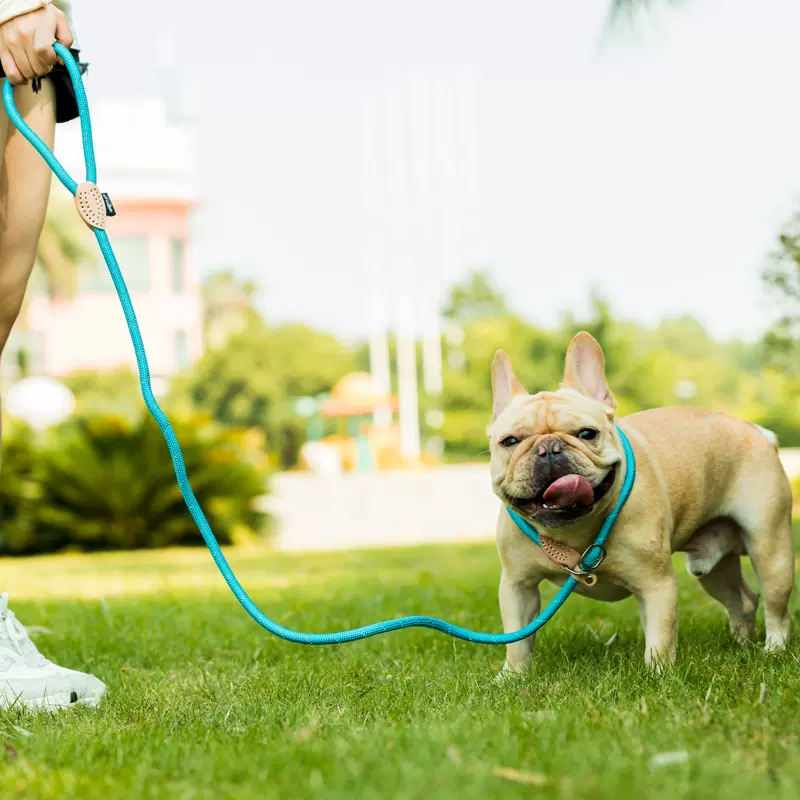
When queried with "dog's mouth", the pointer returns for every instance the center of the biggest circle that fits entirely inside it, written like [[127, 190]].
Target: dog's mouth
[[566, 500]]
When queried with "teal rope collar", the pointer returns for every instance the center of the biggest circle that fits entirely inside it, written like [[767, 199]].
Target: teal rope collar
[[88, 197]]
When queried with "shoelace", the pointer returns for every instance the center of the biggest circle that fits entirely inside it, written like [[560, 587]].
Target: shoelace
[[15, 643]]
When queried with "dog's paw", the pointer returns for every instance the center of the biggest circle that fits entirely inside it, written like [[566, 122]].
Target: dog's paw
[[658, 665], [774, 644], [510, 673], [743, 632]]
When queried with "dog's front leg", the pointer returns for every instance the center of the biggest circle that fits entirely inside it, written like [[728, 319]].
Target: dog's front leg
[[520, 601], [658, 611]]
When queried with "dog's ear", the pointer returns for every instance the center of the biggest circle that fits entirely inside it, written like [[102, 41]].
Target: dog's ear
[[504, 383], [585, 370]]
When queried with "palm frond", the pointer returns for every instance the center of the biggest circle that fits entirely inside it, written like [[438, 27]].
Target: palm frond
[[106, 482], [63, 245], [626, 8]]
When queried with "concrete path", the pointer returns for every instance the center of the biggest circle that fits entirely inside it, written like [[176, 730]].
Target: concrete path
[[453, 503]]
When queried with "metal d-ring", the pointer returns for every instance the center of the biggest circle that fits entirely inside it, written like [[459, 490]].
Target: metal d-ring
[[582, 571], [601, 555]]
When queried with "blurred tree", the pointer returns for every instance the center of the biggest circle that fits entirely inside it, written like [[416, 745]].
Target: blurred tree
[[676, 362], [114, 391], [250, 380], [777, 407], [480, 314], [782, 275], [475, 298], [229, 304], [684, 335]]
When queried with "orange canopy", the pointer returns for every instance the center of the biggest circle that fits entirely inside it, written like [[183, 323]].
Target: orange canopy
[[356, 395]]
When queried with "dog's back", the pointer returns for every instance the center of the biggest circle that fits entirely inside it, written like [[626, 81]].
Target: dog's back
[[710, 463]]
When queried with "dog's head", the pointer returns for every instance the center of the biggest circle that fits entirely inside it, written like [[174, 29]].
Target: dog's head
[[555, 455]]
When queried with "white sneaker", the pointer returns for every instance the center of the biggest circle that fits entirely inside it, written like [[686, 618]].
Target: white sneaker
[[28, 679]]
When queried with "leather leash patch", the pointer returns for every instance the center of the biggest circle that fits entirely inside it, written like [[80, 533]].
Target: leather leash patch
[[567, 558], [90, 204]]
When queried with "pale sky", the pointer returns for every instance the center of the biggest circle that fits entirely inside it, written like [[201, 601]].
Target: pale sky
[[658, 168]]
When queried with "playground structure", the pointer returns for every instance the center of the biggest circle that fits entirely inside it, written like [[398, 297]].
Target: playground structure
[[352, 429]]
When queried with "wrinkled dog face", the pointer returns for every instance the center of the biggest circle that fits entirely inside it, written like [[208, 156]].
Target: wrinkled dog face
[[555, 454]]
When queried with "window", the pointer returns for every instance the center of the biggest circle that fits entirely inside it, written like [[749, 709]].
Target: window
[[181, 350], [134, 262], [178, 257], [93, 276]]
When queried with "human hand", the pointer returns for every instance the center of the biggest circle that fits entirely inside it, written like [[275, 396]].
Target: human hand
[[26, 43]]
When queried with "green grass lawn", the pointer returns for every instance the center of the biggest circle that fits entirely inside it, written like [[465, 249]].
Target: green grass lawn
[[204, 704]]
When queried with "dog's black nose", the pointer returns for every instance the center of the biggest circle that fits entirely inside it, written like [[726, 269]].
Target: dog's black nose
[[549, 447], [552, 461]]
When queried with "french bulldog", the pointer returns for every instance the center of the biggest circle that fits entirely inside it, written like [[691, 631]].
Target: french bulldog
[[706, 484]]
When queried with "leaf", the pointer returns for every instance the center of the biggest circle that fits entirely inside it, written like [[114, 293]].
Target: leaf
[[519, 776]]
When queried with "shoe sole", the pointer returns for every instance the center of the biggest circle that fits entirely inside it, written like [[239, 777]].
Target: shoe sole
[[55, 702]]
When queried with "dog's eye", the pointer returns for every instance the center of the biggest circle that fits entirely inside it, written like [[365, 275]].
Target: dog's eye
[[509, 441], [588, 434]]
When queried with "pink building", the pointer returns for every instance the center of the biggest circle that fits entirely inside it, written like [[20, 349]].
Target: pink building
[[146, 163]]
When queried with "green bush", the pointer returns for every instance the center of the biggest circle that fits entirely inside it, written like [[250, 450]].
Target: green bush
[[251, 379], [105, 482], [465, 434], [21, 494], [114, 391]]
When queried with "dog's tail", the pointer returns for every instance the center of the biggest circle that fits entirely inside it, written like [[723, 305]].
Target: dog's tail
[[768, 435]]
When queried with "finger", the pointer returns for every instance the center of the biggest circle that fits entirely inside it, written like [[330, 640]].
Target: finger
[[34, 59], [43, 48], [11, 69], [63, 32], [23, 62]]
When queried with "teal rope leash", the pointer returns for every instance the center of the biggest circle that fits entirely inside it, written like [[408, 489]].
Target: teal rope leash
[[591, 558]]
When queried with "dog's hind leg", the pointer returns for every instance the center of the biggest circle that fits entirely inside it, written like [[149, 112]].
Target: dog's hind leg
[[726, 584], [767, 537], [713, 557], [772, 553]]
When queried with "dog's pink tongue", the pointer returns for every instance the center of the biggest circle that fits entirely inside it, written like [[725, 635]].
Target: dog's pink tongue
[[568, 491]]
